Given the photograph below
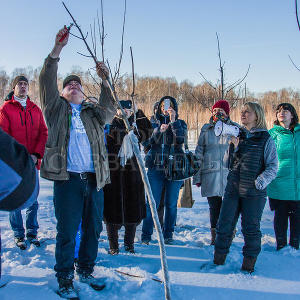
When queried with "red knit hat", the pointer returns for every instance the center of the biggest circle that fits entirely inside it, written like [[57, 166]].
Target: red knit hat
[[222, 104]]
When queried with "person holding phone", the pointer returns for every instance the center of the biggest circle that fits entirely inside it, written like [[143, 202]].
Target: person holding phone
[[170, 130]]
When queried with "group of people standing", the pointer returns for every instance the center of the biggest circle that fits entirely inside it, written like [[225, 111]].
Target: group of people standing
[[74, 147], [238, 173], [91, 184]]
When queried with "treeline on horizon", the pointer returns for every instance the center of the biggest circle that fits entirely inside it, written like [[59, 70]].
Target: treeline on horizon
[[194, 101]]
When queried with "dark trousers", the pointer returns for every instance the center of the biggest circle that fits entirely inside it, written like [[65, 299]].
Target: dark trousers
[[161, 208], [214, 210], [113, 236], [77, 199], [251, 210], [286, 211]]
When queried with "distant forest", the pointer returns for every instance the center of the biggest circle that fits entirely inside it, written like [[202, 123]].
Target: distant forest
[[194, 100]]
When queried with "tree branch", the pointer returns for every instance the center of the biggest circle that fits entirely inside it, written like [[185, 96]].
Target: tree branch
[[238, 82]]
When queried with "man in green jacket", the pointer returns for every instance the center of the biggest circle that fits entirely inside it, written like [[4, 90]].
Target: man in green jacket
[[76, 159]]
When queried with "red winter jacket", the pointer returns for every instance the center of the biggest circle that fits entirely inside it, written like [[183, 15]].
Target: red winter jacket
[[27, 126]]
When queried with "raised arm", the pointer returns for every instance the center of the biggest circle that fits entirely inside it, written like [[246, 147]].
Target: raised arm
[[49, 94]]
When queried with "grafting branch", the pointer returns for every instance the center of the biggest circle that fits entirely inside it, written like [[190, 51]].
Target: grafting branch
[[101, 30], [118, 66], [133, 86], [221, 68], [236, 83], [140, 161]]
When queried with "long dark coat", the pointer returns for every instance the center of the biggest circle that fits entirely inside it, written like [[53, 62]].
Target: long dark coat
[[124, 197]]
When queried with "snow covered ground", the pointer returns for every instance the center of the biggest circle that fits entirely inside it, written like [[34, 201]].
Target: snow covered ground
[[277, 274]]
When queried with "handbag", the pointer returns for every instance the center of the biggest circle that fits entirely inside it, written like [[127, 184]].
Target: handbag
[[185, 198], [181, 166]]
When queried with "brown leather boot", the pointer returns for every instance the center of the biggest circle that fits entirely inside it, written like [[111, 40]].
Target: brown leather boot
[[213, 235], [248, 264], [219, 259]]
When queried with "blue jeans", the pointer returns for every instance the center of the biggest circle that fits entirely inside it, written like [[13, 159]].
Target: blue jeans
[[77, 200], [16, 221], [158, 182]]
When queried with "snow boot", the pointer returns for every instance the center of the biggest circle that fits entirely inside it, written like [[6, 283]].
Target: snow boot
[[66, 289], [129, 248], [294, 242], [113, 251], [145, 242], [219, 258], [112, 234], [130, 230], [20, 242], [95, 283], [33, 240], [213, 236], [248, 264], [169, 241], [281, 242]]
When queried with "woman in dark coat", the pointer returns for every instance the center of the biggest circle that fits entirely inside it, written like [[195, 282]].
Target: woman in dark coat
[[124, 197], [171, 132]]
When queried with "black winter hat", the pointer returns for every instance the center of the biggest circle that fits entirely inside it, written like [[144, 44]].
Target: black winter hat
[[71, 78], [126, 104], [17, 79]]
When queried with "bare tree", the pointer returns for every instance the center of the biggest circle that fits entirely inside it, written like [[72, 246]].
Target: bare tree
[[221, 88]]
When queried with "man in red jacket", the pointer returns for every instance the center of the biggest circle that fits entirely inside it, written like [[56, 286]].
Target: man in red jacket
[[24, 121]]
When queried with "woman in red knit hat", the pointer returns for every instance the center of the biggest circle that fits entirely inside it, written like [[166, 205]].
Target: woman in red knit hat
[[211, 149]]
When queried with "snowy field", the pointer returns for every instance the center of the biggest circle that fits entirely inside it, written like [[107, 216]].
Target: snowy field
[[277, 274]]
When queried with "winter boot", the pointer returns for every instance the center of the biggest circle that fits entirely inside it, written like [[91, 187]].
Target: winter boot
[[66, 289], [112, 234], [130, 230], [169, 241], [281, 242], [20, 242], [33, 240], [129, 248], [213, 235], [294, 242], [219, 258], [248, 264], [96, 283]]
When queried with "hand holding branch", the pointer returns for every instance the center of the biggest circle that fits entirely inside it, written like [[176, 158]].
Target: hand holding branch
[[102, 71]]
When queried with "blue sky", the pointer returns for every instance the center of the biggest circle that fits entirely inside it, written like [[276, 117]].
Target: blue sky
[[170, 38]]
